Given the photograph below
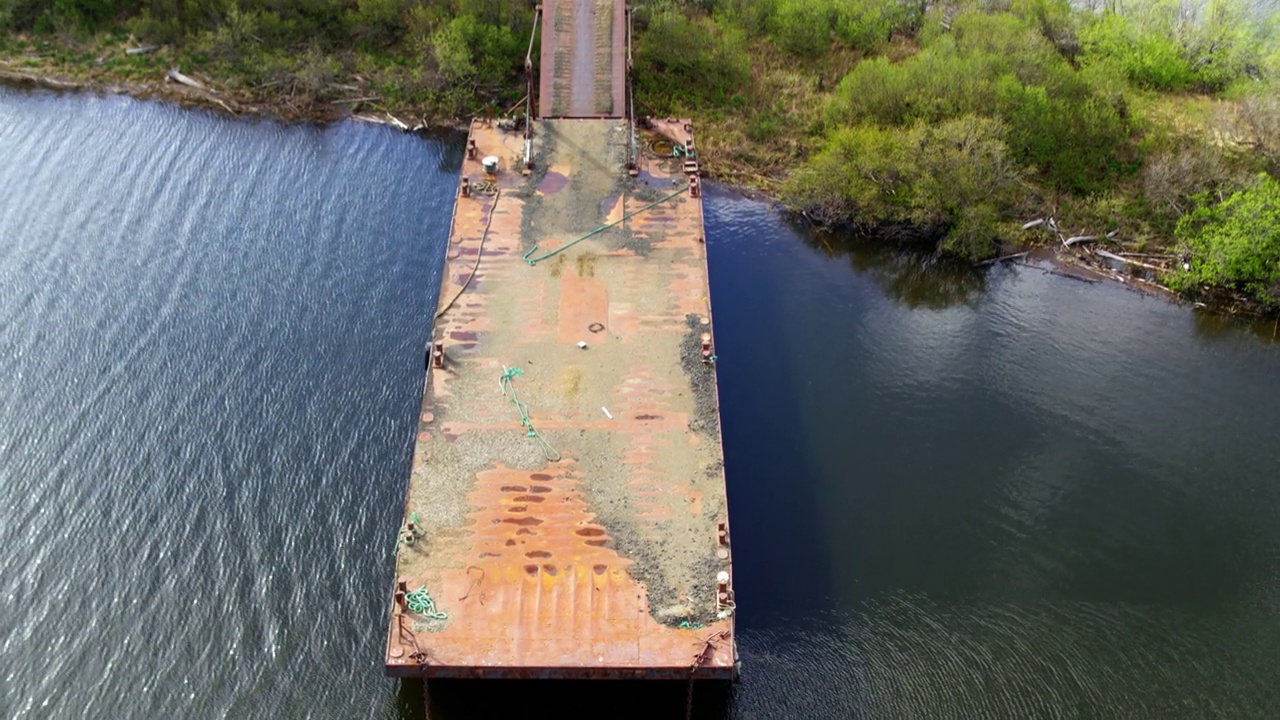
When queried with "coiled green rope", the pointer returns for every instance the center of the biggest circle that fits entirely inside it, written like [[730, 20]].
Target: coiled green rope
[[507, 385], [419, 602]]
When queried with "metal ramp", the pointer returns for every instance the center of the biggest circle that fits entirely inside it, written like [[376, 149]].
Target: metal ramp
[[584, 60]]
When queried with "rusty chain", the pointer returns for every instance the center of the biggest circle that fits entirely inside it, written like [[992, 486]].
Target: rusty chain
[[699, 658], [426, 699]]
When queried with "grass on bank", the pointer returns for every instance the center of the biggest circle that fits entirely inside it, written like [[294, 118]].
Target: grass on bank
[[954, 125]]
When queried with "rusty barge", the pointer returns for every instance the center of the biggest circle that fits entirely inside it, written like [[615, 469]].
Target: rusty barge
[[566, 514]]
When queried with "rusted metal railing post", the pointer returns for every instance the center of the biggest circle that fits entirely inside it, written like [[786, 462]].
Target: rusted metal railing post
[[528, 108], [630, 100]]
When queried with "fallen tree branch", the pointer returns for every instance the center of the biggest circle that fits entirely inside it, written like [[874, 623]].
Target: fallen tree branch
[[1051, 271], [1128, 261], [181, 79], [38, 81], [1003, 258], [1081, 278], [1080, 239], [142, 50], [352, 101]]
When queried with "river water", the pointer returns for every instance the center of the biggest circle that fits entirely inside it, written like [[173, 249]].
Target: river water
[[1016, 495]]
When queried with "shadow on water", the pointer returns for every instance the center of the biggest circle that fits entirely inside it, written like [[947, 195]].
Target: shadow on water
[[452, 149], [769, 469], [905, 273], [617, 700], [1212, 326]]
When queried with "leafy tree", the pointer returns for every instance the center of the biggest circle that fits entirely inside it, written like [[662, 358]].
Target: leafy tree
[[469, 50], [1175, 45], [998, 65], [949, 179], [1235, 243], [1148, 52], [689, 63]]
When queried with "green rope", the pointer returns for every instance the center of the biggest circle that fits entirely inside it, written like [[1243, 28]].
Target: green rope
[[602, 228], [507, 385], [420, 603], [679, 151]]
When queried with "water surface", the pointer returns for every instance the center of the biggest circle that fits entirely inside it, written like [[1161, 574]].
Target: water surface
[[951, 495]]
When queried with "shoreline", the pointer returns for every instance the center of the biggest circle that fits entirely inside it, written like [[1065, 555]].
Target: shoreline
[[228, 102], [1087, 266]]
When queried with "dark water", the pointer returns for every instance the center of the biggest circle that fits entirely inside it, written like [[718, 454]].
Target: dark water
[[1022, 496]]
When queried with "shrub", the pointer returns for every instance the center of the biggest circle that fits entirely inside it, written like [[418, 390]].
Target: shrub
[[1235, 243], [1172, 179], [996, 65], [803, 27], [1149, 55], [474, 52], [1257, 119], [1169, 45], [806, 28], [379, 22], [1073, 141], [1054, 20], [685, 63], [950, 180]]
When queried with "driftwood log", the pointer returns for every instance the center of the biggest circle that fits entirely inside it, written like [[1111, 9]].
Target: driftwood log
[[181, 79], [1080, 239], [1128, 261], [20, 78], [1003, 258], [1059, 273]]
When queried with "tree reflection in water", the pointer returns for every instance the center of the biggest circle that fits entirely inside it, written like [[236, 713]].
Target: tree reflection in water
[[901, 267]]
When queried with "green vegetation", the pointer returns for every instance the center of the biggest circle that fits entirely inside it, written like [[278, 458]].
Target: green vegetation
[[954, 175], [432, 58], [1235, 243], [952, 124]]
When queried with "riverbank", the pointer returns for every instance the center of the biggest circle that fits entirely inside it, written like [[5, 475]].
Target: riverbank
[[1077, 260], [167, 73], [969, 132], [861, 135]]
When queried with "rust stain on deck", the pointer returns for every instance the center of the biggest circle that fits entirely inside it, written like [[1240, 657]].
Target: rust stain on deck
[[606, 560]]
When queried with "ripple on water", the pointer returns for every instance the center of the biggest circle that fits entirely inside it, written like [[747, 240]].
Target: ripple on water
[[210, 361], [907, 656]]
